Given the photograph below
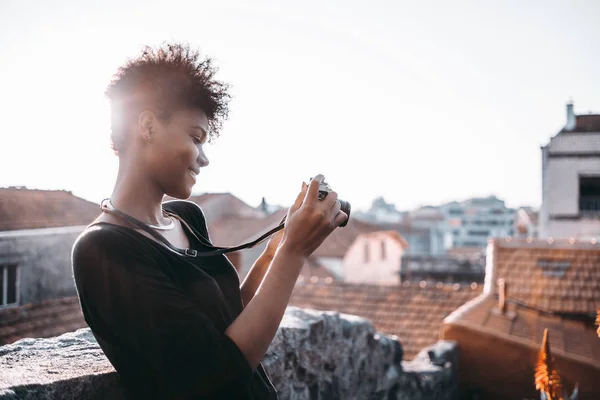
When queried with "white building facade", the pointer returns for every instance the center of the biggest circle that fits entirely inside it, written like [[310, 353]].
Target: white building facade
[[472, 222], [571, 180]]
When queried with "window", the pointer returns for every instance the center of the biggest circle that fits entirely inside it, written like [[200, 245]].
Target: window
[[366, 252], [478, 233], [8, 284], [383, 256], [589, 195]]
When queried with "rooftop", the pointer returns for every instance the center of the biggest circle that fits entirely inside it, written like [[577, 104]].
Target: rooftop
[[22, 208], [557, 276], [412, 311], [586, 123], [543, 284]]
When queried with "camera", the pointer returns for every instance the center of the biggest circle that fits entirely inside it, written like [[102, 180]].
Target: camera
[[324, 190]]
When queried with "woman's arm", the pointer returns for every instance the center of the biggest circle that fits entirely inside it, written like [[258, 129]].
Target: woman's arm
[[259, 268], [255, 277], [308, 223], [253, 330]]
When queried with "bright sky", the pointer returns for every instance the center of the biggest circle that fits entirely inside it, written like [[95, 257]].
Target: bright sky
[[421, 102]]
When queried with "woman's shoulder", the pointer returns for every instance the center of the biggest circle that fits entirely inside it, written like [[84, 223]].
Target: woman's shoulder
[[102, 239]]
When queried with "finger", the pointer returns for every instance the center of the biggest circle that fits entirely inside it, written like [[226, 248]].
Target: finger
[[340, 218], [337, 204], [313, 190], [299, 199], [330, 200], [334, 210]]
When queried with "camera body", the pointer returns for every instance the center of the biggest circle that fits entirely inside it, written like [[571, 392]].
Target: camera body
[[324, 190]]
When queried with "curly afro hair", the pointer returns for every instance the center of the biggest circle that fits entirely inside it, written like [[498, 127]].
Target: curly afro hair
[[165, 79]]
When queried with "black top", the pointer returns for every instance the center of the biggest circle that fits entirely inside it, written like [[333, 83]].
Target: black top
[[160, 318]]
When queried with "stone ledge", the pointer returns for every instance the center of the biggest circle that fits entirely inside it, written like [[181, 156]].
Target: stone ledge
[[315, 355]]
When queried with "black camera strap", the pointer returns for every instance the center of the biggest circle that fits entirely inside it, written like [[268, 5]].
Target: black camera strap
[[215, 250]]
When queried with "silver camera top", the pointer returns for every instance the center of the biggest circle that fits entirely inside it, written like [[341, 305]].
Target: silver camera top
[[324, 187]]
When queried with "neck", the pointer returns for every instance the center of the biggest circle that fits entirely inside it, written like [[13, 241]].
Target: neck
[[136, 195]]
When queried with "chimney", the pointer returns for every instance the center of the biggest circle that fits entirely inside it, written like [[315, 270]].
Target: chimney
[[502, 295], [570, 117]]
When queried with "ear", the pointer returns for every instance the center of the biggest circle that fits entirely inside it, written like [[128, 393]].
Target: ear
[[146, 125]]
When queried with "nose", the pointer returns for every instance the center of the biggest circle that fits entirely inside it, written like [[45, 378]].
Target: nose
[[202, 158]]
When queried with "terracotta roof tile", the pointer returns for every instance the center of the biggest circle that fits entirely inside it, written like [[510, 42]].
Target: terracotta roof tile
[[33, 209], [561, 276], [411, 312], [587, 123], [45, 319]]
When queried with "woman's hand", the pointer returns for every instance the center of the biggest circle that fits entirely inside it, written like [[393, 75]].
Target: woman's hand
[[310, 221]]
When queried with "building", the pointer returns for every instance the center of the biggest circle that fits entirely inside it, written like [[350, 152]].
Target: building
[[382, 257], [472, 222], [37, 231], [530, 285], [445, 268], [571, 179], [421, 228], [330, 254], [374, 258]]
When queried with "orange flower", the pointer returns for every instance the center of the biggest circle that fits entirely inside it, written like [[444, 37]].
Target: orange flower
[[547, 379]]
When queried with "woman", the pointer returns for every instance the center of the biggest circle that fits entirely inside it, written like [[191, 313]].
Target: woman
[[174, 325]]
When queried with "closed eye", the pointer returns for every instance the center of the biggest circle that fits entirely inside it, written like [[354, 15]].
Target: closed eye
[[198, 140]]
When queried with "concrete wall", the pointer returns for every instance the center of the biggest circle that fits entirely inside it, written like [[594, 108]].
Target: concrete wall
[[315, 355], [43, 257]]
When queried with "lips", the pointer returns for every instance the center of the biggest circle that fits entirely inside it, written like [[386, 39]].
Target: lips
[[193, 173]]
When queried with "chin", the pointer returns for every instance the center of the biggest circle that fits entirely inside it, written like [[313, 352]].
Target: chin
[[183, 193]]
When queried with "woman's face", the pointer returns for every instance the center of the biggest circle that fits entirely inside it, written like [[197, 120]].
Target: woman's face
[[175, 152]]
